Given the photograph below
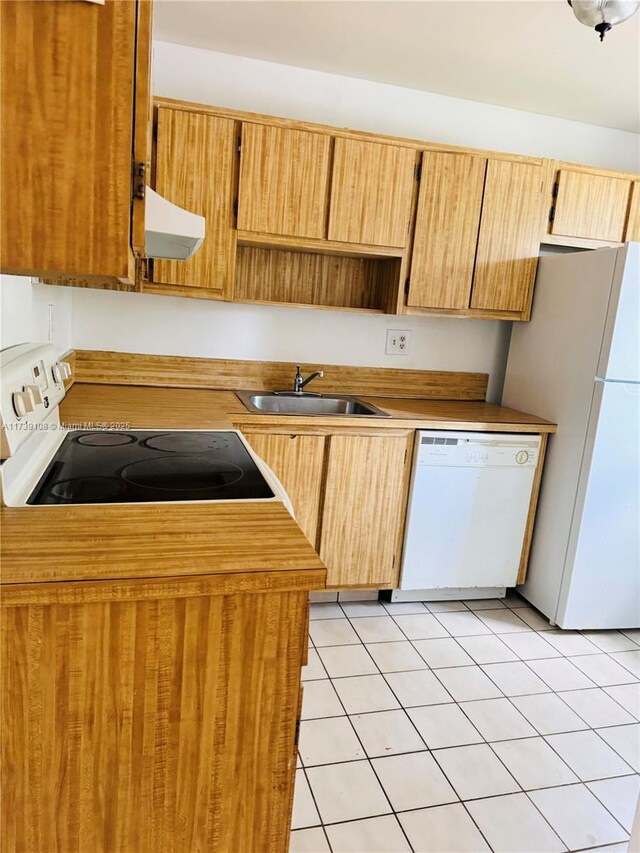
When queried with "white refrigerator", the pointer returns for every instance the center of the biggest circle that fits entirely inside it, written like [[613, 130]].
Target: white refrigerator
[[578, 363]]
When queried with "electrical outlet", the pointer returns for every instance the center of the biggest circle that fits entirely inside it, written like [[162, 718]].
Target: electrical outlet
[[398, 341]]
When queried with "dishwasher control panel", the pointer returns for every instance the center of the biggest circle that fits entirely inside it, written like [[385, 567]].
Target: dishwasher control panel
[[455, 449]]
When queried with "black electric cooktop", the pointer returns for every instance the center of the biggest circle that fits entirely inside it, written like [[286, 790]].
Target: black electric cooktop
[[150, 465]]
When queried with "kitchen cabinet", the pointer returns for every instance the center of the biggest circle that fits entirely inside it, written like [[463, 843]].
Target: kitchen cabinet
[[446, 234], [348, 492], [371, 192], [632, 230], [284, 176], [74, 89], [298, 462], [590, 206], [150, 715], [363, 509], [477, 235], [509, 238], [196, 169]]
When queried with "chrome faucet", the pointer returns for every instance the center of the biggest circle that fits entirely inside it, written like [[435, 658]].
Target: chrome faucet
[[299, 383]]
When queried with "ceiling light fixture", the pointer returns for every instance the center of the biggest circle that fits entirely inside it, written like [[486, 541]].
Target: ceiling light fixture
[[603, 14]]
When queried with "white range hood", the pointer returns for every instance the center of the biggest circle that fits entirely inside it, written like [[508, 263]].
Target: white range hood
[[171, 232]]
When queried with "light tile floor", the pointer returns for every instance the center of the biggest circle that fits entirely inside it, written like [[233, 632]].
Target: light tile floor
[[459, 727]]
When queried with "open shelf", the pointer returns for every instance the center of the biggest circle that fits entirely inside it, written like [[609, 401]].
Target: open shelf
[[309, 279]]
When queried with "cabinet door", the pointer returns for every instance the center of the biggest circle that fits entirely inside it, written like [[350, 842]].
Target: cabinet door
[[444, 246], [371, 193], [363, 507], [632, 231], [283, 181], [297, 461], [509, 238], [590, 206], [67, 91], [195, 163]]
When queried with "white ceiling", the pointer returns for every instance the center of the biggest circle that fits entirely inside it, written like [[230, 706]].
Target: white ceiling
[[527, 54]]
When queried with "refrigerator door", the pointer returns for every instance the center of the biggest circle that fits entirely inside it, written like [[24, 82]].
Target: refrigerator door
[[601, 581], [620, 352]]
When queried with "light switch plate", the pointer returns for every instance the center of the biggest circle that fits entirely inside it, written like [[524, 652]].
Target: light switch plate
[[398, 341]]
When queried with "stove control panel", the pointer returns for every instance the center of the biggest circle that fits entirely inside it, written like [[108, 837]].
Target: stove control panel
[[32, 380]]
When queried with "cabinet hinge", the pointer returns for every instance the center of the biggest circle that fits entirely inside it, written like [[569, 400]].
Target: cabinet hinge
[[138, 179], [235, 207], [154, 132], [297, 737], [418, 171], [407, 283], [556, 187], [552, 214], [239, 145]]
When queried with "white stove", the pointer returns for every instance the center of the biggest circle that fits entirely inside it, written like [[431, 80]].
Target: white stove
[[45, 463]]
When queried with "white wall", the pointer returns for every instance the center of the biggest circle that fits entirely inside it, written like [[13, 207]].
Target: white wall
[[251, 84], [156, 324], [160, 324], [24, 313]]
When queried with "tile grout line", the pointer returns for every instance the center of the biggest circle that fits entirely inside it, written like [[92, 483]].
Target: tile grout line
[[368, 759], [550, 691]]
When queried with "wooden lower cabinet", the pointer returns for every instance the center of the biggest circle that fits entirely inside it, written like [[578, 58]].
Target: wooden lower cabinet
[[349, 494], [363, 509], [151, 716], [297, 460]]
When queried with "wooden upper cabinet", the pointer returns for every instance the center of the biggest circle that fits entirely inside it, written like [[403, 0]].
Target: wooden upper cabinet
[[632, 231], [68, 81], [284, 177], [297, 461], [195, 169], [446, 234], [509, 238], [590, 206], [363, 509], [371, 193]]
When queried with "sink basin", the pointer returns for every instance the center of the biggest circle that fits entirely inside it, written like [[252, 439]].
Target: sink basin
[[308, 404]]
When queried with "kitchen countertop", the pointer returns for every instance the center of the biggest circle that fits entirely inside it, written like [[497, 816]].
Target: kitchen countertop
[[180, 408], [76, 543]]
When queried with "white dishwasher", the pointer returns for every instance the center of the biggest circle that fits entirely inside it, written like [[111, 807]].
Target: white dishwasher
[[468, 507]]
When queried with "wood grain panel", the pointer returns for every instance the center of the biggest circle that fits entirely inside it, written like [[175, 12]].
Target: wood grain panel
[[322, 247], [632, 230], [446, 234], [363, 507], [590, 206], [117, 368], [195, 168], [271, 275], [371, 193], [284, 177], [150, 540], [157, 725], [297, 461], [509, 238], [343, 133], [66, 88], [143, 120]]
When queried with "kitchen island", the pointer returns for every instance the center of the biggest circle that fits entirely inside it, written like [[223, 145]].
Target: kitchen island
[[151, 661]]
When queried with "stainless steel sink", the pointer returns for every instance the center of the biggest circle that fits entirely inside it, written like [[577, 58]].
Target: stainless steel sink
[[289, 403]]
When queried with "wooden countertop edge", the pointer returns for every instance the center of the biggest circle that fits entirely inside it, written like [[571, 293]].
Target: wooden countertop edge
[[122, 541], [16, 594]]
